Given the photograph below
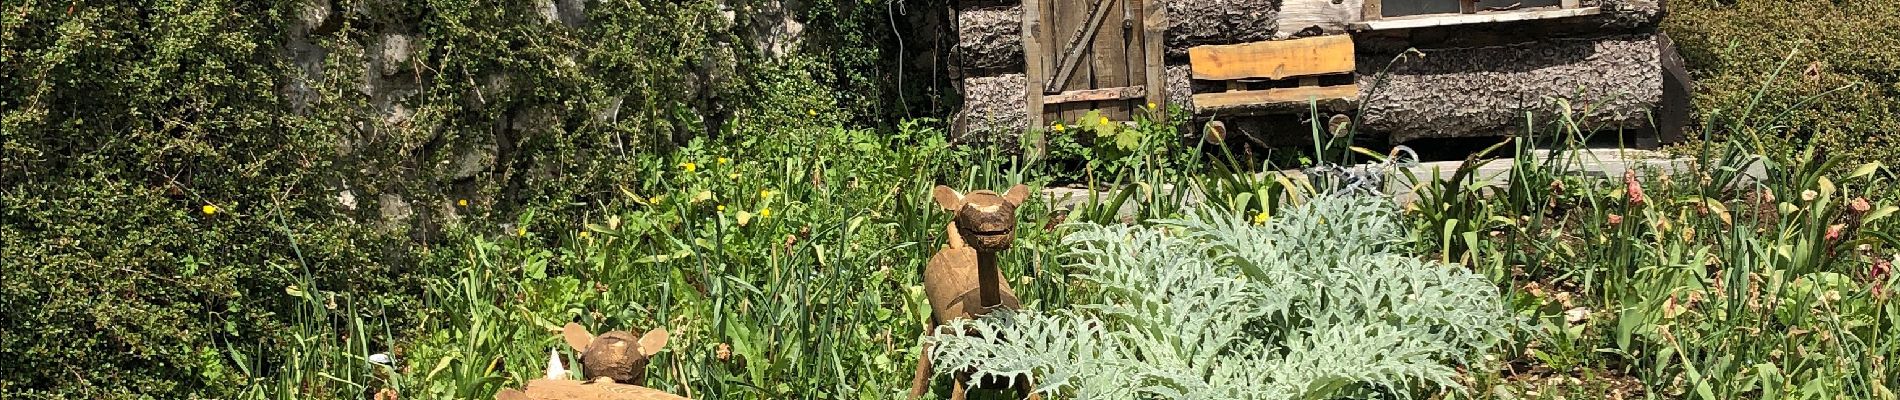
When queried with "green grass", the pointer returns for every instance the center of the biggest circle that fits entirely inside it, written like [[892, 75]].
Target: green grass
[[789, 267]]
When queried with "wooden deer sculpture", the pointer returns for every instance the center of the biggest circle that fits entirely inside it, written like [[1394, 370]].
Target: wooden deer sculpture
[[615, 364], [962, 280]]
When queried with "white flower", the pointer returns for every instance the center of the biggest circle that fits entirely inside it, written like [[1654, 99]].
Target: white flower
[[380, 358], [555, 370], [1576, 315]]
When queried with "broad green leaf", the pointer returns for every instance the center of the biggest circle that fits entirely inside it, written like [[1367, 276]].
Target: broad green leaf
[[1865, 170], [1771, 381], [1883, 212]]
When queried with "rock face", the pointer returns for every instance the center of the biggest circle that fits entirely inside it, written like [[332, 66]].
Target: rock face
[[1605, 83]]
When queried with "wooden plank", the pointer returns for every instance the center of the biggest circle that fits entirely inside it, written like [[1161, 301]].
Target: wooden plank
[[1273, 59], [1081, 41], [1373, 10], [1154, 24], [1032, 69], [1330, 16], [1435, 20], [1103, 94], [1110, 56], [1279, 97], [1072, 15]]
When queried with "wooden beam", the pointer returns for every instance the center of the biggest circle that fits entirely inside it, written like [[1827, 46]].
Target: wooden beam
[[1435, 20], [1077, 44], [1329, 16], [1279, 98], [1104, 94], [1032, 69], [1274, 59], [1155, 26]]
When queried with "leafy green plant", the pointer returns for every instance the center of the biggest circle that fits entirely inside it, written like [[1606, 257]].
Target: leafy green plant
[[1314, 304]]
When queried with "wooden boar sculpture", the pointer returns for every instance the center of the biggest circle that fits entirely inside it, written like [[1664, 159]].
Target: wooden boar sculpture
[[962, 280], [615, 365]]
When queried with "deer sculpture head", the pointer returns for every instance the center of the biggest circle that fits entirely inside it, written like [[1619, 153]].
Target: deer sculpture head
[[984, 220], [615, 355]]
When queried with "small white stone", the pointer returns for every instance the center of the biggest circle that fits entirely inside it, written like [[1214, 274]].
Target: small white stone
[[380, 358]]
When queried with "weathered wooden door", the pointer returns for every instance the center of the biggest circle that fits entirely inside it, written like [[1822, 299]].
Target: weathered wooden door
[[1092, 55]]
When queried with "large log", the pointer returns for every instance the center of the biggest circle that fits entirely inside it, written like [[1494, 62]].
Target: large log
[[1197, 22], [990, 38], [1609, 83], [995, 110]]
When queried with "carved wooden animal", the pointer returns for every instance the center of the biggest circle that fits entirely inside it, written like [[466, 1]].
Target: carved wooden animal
[[615, 355], [614, 363], [962, 279]]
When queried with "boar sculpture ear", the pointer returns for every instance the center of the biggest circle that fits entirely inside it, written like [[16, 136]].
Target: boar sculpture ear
[[947, 198], [576, 336], [653, 341], [1016, 194]]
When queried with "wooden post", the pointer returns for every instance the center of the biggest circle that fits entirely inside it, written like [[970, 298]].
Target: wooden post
[[1468, 6], [1573, 3], [1033, 74], [1154, 26], [1373, 10]]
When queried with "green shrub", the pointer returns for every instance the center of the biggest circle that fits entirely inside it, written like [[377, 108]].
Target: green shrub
[[1840, 89], [120, 121]]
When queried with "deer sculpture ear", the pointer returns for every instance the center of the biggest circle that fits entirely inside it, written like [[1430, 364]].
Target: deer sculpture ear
[[576, 336], [1016, 194], [947, 198], [653, 341]]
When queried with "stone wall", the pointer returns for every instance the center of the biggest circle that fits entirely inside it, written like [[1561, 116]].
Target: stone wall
[[429, 144]]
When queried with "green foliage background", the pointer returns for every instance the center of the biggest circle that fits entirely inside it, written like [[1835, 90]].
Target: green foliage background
[[1839, 89], [120, 120]]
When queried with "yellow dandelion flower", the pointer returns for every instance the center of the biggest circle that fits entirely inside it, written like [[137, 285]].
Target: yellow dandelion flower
[[584, 234], [209, 209], [811, 112], [765, 194], [1059, 127], [1151, 104], [765, 212], [522, 231], [734, 175], [721, 208], [689, 167], [1104, 120], [723, 160], [1260, 218], [462, 202]]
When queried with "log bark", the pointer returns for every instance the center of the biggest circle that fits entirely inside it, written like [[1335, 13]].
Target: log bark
[[1609, 83], [1198, 22], [990, 38], [995, 110]]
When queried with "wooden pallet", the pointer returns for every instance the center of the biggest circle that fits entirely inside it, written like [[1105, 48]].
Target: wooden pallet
[[1272, 64]]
